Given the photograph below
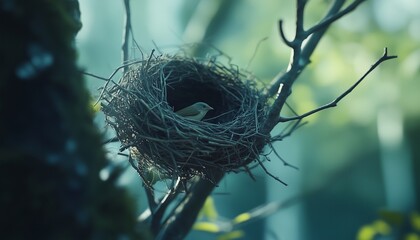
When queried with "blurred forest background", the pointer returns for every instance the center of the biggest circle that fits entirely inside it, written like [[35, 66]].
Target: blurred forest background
[[361, 157]]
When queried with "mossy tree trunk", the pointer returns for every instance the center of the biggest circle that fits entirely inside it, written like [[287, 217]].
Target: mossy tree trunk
[[50, 150]]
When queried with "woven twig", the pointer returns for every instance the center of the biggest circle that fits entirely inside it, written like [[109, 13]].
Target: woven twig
[[140, 107]]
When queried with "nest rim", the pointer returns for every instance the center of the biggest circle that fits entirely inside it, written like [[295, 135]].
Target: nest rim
[[141, 108]]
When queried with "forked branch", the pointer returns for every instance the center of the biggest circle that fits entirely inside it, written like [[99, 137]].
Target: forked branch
[[281, 86]]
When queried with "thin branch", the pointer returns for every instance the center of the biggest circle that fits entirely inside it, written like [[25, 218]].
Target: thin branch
[[300, 9], [282, 84], [112, 75], [255, 52], [332, 18], [260, 163], [290, 108], [285, 163], [301, 56], [94, 75], [182, 218], [158, 214], [316, 36], [126, 33], [283, 35], [295, 126], [334, 103]]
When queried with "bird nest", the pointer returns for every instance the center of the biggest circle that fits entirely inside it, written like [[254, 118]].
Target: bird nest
[[141, 108]]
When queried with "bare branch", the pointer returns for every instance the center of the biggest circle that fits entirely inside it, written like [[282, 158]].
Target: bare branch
[[94, 75], [300, 9], [182, 218], [332, 18], [288, 130], [285, 163], [283, 36], [301, 55], [255, 52], [334, 103], [112, 75], [316, 36], [282, 84], [126, 33], [260, 163]]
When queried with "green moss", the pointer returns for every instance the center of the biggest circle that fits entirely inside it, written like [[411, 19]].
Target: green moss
[[50, 149]]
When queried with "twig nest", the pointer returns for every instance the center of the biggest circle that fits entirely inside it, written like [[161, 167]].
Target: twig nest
[[141, 108]]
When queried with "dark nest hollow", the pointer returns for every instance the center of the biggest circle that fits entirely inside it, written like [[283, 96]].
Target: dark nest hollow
[[141, 108]]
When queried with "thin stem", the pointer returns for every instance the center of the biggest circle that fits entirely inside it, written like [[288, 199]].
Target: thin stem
[[283, 35], [321, 29], [260, 163], [285, 163], [126, 33], [331, 18], [182, 218], [110, 78], [334, 103]]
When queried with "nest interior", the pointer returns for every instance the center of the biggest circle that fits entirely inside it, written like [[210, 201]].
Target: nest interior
[[141, 108]]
